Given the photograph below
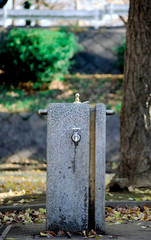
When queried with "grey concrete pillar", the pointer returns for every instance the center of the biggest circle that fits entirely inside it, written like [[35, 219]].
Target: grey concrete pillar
[[76, 172], [97, 153], [67, 167], [100, 153]]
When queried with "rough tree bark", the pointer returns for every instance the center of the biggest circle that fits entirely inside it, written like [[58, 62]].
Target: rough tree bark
[[135, 149]]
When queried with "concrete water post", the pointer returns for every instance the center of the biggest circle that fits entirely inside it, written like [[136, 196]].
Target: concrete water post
[[67, 167], [76, 146]]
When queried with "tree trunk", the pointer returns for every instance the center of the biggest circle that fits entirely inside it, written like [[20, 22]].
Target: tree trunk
[[135, 149]]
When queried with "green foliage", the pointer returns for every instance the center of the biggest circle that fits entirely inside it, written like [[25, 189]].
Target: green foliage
[[36, 55], [118, 107], [16, 100], [120, 56]]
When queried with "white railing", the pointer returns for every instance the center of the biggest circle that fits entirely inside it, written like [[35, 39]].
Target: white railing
[[50, 14], [95, 15]]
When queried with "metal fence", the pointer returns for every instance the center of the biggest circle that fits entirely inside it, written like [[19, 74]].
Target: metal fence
[[95, 15]]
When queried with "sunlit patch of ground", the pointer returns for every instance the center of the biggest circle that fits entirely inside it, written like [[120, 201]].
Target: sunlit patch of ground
[[108, 177], [18, 183], [23, 183], [27, 181]]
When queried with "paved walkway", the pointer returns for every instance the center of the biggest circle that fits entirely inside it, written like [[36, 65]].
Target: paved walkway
[[129, 231]]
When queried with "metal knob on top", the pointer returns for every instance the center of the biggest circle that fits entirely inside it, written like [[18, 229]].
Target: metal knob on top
[[77, 98]]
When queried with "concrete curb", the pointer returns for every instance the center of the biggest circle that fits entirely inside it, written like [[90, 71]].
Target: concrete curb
[[113, 204], [132, 204], [23, 207]]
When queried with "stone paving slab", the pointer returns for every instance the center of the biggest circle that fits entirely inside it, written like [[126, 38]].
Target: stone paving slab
[[5, 230], [24, 232], [129, 231], [125, 203]]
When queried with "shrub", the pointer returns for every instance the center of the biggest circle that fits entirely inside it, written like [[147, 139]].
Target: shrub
[[120, 56], [36, 55]]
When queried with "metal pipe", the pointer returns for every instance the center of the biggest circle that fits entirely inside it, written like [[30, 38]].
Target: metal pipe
[[110, 112], [45, 111], [42, 111]]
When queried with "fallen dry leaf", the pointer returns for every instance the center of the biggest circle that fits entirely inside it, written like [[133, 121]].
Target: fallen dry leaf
[[121, 215], [51, 233], [61, 233], [113, 216], [43, 234], [69, 235], [92, 232]]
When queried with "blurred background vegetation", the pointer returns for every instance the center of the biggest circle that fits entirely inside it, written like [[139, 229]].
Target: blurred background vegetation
[[36, 55], [35, 70]]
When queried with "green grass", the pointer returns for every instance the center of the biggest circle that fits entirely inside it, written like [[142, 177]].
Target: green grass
[[93, 88], [19, 101], [98, 88]]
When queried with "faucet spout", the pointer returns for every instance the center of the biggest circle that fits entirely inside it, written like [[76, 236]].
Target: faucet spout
[[76, 136]]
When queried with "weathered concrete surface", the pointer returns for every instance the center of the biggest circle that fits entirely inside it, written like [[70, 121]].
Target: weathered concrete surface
[[92, 168], [23, 136], [100, 153], [97, 156], [67, 167], [130, 231], [25, 232]]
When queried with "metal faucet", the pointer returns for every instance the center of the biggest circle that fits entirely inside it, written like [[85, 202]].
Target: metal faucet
[[76, 136], [77, 99]]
